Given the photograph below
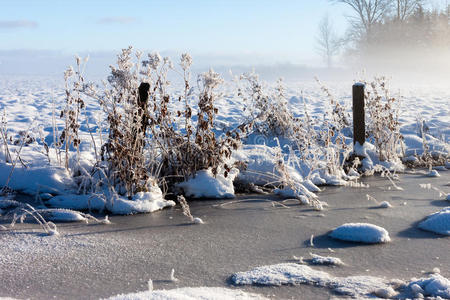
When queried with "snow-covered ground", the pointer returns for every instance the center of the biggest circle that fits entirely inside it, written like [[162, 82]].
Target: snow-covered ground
[[32, 105]]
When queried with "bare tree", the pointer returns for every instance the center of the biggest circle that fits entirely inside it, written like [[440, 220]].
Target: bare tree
[[328, 44], [368, 14], [406, 8]]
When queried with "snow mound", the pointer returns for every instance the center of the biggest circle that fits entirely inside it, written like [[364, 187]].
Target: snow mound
[[8, 203], [34, 179], [385, 204], [434, 173], [263, 168], [204, 293], [61, 215], [434, 286], [205, 185], [142, 202], [388, 293], [198, 221], [325, 260], [294, 191], [371, 159], [438, 222], [361, 232], [294, 274], [261, 165]]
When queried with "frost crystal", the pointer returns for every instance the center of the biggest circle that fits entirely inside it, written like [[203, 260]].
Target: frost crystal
[[210, 79], [154, 59], [186, 61], [68, 73]]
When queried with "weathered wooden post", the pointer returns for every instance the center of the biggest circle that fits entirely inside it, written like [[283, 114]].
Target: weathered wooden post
[[142, 102], [359, 125]]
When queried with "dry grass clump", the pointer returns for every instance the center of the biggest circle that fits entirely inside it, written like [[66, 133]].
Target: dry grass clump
[[147, 139], [184, 152], [427, 158], [122, 103], [268, 112], [331, 138], [383, 111], [71, 113]]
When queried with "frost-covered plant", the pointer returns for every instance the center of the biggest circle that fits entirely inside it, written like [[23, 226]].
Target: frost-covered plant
[[268, 111], [185, 207], [23, 210], [385, 172], [323, 143], [383, 112], [297, 189], [19, 212], [336, 114], [126, 115], [147, 139], [183, 153], [427, 158], [5, 189], [212, 152], [3, 132], [71, 113]]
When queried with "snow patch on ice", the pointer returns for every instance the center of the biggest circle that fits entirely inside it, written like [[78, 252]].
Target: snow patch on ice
[[198, 221], [438, 222], [188, 293], [325, 260], [61, 215], [433, 286], [434, 173], [142, 202], [294, 274], [360, 287], [385, 204], [361, 232], [385, 293]]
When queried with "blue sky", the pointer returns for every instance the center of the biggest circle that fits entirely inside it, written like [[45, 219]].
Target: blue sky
[[272, 31]]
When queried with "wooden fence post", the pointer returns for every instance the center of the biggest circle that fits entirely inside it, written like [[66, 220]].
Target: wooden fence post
[[359, 125], [142, 102]]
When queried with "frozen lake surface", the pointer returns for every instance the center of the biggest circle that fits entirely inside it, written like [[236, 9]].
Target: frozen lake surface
[[95, 260]]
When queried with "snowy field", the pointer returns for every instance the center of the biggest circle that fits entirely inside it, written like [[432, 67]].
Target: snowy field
[[30, 108]]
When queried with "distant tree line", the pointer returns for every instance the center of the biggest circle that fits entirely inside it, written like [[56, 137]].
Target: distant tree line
[[392, 30]]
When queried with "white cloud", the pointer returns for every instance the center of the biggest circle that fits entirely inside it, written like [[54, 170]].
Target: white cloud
[[116, 20], [18, 24]]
